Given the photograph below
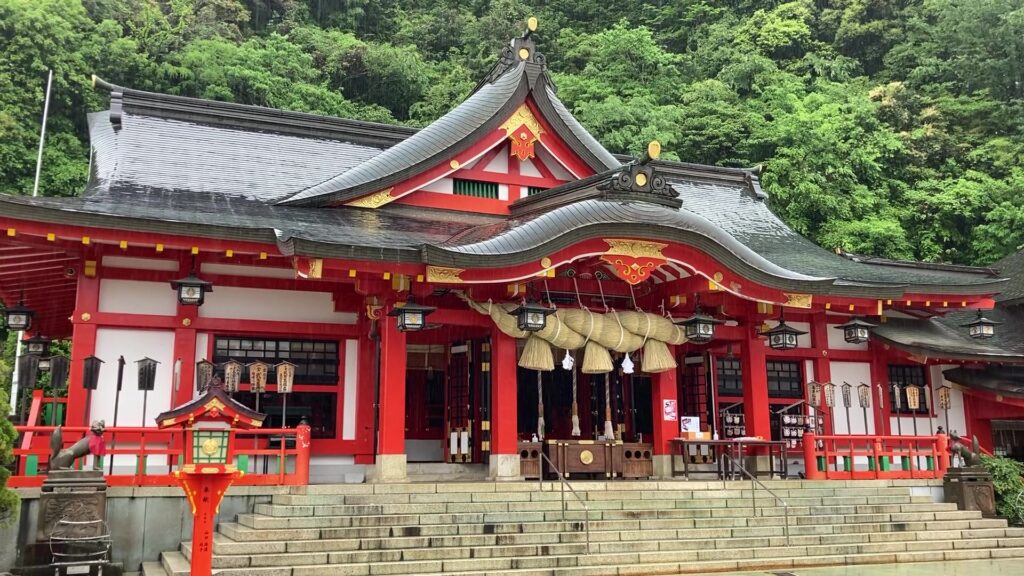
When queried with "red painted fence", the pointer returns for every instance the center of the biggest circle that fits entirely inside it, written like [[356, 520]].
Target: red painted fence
[[147, 456], [875, 457]]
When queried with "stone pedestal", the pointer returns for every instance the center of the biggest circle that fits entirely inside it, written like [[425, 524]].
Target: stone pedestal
[[75, 495], [389, 468], [971, 489], [504, 467]]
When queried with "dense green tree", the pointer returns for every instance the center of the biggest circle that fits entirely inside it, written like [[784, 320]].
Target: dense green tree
[[890, 127]]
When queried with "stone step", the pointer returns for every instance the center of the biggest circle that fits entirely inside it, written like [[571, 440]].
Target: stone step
[[153, 569], [912, 513], [613, 564], [679, 550], [554, 492]]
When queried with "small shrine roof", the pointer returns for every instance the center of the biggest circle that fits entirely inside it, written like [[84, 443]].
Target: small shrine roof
[[214, 401]]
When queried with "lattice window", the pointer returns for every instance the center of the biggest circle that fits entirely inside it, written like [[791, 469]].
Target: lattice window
[[900, 377], [475, 188], [316, 361], [785, 379], [729, 374], [530, 191]]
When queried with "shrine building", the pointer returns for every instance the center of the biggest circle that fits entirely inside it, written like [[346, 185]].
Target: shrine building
[[492, 281]]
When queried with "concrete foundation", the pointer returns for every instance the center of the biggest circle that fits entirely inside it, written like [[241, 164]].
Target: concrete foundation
[[662, 466], [504, 467], [389, 468]]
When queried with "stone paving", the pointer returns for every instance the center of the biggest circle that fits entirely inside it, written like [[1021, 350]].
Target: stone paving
[[1006, 567]]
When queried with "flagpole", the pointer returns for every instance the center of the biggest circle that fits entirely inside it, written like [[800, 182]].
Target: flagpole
[[35, 192]]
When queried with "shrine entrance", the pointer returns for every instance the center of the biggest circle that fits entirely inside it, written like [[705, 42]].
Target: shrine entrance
[[446, 395]]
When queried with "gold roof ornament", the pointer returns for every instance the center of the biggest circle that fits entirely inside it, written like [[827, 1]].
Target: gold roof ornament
[[654, 150], [531, 24]]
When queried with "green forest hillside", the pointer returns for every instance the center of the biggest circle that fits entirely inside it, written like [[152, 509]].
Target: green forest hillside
[[885, 127]]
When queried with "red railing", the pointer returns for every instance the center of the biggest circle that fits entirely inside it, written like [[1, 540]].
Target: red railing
[[875, 457], [147, 456]]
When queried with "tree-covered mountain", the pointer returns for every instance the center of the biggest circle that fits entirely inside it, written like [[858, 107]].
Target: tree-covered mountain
[[886, 127]]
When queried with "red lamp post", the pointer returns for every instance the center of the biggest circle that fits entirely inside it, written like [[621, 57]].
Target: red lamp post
[[209, 469]]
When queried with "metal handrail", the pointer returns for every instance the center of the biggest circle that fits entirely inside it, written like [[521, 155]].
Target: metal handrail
[[754, 482], [564, 482]]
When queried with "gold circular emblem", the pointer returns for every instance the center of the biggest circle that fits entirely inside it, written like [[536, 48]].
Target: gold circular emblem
[[654, 149], [454, 164], [587, 457], [545, 262], [210, 447], [524, 54], [531, 24], [641, 179], [522, 136], [718, 276], [186, 322], [86, 316]]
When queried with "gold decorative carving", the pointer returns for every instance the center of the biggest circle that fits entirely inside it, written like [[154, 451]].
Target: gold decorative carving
[[523, 130], [545, 262], [587, 457], [373, 312], [635, 248], [797, 300], [445, 275], [375, 200], [168, 422], [210, 447], [214, 403]]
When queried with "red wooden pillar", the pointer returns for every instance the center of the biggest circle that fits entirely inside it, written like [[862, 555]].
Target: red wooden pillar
[[755, 387], [823, 368], [504, 463], [664, 390], [391, 405], [185, 351], [83, 345]]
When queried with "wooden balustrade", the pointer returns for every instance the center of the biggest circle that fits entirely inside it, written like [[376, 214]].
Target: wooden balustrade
[[859, 457]]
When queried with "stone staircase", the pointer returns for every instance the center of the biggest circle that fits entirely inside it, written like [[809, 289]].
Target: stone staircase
[[479, 528]]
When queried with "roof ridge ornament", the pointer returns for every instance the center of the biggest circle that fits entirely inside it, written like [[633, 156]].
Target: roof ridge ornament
[[640, 178], [519, 49]]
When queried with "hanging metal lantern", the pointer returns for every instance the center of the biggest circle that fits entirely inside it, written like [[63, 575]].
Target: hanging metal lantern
[[783, 336], [864, 395], [91, 373], [258, 377], [913, 397], [285, 377], [847, 390], [830, 394], [191, 289], [814, 389], [699, 328], [204, 375], [945, 401], [59, 366], [37, 345], [981, 327], [18, 317], [411, 317], [856, 331], [531, 317], [28, 371], [232, 375], [147, 374]]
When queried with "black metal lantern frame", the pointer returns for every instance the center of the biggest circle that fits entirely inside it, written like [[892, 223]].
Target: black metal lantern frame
[[531, 316], [856, 331], [18, 317], [981, 328], [700, 327], [192, 290], [37, 345], [411, 317], [782, 336]]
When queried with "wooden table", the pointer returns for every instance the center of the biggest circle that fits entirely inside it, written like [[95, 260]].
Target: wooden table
[[733, 448]]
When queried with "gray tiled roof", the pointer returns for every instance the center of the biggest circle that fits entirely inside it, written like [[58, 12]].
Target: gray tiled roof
[[153, 153], [943, 337]]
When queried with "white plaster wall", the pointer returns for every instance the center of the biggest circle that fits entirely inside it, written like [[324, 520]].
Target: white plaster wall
[[528, 169], [556, 167], [140, 263], [134, 297], [253, 271], [279, 305], [836, 341], [855, 373], [498, 164], [503, 192], [133, 345], [348, 420], [443, 186]]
